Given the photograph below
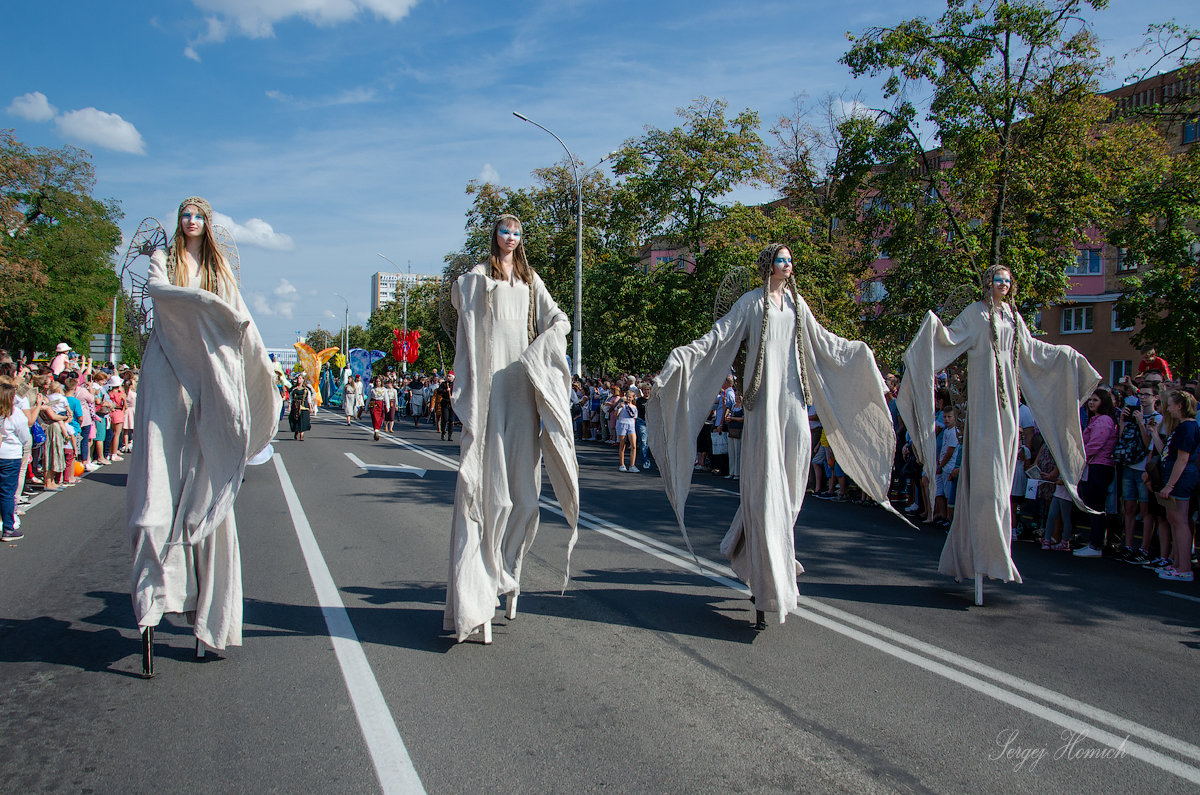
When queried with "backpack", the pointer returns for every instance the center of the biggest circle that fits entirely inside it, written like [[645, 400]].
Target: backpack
[[1130, 449]]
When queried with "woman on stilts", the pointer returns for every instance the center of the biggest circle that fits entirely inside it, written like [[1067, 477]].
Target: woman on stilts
[[512, 393], [208, 403], [1054, 379], [791, 361]]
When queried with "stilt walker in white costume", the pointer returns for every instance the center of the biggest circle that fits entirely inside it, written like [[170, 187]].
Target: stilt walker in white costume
[[512, 393], [791, 360], [207, 402], [1054, 379]]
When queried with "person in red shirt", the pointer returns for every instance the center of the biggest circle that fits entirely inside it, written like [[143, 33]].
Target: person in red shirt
[[1152, 363]]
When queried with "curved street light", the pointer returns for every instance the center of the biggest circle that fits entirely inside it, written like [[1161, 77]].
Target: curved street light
[[345, 327], [577, 326]]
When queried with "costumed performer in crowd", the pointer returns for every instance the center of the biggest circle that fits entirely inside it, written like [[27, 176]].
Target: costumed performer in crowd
[[791, 361], [300, 413], [1054, 379], [512, 393], [207, 403]]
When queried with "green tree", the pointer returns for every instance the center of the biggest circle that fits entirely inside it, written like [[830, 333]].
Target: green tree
[[674, 179], [1016, 174], [55, 261], [1157, 226]]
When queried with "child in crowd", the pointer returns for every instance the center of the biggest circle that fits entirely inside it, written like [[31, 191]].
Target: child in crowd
[[946, 450], [1056, 536]]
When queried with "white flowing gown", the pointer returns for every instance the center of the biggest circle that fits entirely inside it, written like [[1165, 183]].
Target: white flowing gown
[[513, 398], [207, 402], [1055, 379], [848, 393]]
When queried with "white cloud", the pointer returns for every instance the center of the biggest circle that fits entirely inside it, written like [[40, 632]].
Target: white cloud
[[283, 302], [349, 96], [33, 107], [489, 175], [215, 33], [329, 314], [851, 109], [255, 232], [107, 130], [256, 19]]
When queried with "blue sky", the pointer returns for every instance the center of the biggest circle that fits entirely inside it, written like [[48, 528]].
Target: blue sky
[[329, 130]]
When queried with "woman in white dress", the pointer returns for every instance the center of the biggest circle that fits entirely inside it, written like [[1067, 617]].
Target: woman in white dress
[[791, 359], [1054, 380], [512, 393], [207, 403]]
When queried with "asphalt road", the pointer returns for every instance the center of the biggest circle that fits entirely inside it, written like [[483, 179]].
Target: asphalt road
[[643, 676]]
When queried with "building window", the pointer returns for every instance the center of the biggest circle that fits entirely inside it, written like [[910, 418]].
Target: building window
[[1191, 130], [1119, 323], [873, 291], [1119, 369], [1076, 319], [1087, 263], [1127, 261]]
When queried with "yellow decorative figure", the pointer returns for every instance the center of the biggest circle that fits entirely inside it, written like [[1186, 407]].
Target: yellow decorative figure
[[310, 362]]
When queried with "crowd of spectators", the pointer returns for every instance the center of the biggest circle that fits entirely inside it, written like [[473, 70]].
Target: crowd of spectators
[[62, 419], [1136, 434], [1142, 447]]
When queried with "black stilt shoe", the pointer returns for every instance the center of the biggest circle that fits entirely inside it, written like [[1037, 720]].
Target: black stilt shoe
[[148, 653]]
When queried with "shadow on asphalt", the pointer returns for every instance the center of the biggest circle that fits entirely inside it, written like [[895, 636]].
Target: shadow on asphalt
[[109, 478]]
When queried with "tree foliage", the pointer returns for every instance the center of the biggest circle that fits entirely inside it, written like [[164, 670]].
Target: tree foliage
[[1016, 174], [56, 253], [1157, 226], [675, 178]]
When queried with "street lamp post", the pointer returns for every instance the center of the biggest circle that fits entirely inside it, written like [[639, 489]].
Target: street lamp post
[[403, 360], [576, 332]]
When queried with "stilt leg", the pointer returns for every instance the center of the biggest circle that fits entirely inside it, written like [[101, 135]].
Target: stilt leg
[[487, 633], [511, 612], [199, 649], [147, 652], [979, 589], [760, 620]]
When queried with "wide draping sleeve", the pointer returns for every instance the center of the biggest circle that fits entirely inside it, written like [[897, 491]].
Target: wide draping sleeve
[[545, 362], [683, 395], [1055, 380], [472, 383], [933, 349], [849, 396], [207, 401], [213, 354]]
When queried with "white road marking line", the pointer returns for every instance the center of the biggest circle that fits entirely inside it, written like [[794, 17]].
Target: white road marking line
[[840, 621], [358, 462], [1180, 596], [430, 454], [393, 766]]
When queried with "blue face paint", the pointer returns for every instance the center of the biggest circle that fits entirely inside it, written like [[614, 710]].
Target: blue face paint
[[197, 217], [1001, 280], [783, 260], [504, 231]]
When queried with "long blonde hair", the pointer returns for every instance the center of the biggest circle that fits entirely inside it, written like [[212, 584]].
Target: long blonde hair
[[766, 261], [521, 267], [215, 275], [8, 391], [988, 275]]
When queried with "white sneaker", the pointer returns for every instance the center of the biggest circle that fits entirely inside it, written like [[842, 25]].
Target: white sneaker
[[92, 466], [622, 468]]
